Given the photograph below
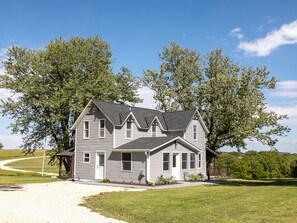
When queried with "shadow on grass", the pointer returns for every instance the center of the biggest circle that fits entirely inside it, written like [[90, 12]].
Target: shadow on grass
[[10, 187], [268, 182]]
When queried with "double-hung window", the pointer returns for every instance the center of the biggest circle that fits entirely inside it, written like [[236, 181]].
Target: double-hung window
[[192, 160], [195, 132], [154, 130], [86, 158], [166, 158], [86, 133], [126, 161], [129, 130], [199, 160], [184, 160], [101, 128]]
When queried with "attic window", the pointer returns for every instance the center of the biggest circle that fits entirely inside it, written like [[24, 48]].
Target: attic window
[[101, 128], [154, 130], [129, 130], [194, 132]]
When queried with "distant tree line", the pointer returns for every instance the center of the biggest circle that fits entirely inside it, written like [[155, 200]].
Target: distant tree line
[[258, 165]]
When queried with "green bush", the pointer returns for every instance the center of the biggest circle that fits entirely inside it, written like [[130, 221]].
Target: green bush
[[165, 180], [194, 177], [106, 180]]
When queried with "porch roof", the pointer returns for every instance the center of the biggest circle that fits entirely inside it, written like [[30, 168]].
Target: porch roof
[[153, 143]]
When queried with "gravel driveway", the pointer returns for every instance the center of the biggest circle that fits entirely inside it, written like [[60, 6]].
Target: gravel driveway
[[56, 202]]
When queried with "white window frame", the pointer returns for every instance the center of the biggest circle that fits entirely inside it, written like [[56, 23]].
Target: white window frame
[[154, 134], [84, 130], [126, 161], [199, 161], [193, 160], [195, 133], [84, 156], [184, 161], [129, 129], [166, 161], [99, 129]]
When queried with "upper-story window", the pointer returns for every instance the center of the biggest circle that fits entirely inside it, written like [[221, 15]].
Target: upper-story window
[[195, 132], [86, 134], [101, 128], [154, 130], [129, 130]]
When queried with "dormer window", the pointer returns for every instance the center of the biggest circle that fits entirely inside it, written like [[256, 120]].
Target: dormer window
[[128, 130], [154, 130], [101, 128]]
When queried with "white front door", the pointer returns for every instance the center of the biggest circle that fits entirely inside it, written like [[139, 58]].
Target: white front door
[[99, 171], [176, 165]]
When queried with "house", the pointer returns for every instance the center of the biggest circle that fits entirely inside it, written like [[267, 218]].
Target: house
[[132, 144]]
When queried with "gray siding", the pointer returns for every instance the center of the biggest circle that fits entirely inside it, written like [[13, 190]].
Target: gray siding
[[87, 170], [120, 134], [200, 142], [156, 162], [115, 172]]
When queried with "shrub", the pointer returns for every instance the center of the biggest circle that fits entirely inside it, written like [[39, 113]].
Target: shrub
[[106, 180], [195, 177], [150, 183], [165, 180]]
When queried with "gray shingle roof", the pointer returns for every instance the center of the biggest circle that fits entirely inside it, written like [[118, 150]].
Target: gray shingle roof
[[146, 143], [117, 113]]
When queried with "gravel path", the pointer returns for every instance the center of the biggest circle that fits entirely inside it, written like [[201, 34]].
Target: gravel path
[[4, 162], [56, 202]]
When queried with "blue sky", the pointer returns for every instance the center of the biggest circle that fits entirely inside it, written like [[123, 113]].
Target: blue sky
[[252, 33]]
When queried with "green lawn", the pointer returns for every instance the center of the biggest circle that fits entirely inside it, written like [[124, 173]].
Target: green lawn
[[236, 201], [34, 165], [6, 154], [12, 177]]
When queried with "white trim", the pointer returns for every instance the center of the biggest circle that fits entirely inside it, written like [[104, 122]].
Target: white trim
[[99, 128], [194, 161], [152, 130], [130, 150], [156, 117], [186, 160], [148, 166], [199, 159], [114, 143], [89, 157], [194, 124], [181, 140], [128, 116], [128, 171], [169, 163], [127, 129], [89, 130], [104, 170], [80, 117], [75, 154]]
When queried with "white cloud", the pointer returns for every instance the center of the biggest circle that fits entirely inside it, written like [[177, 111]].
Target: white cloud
[[291, 111], [286, 89], [147, 95], [11, 141], [236, 32], [286, 34]]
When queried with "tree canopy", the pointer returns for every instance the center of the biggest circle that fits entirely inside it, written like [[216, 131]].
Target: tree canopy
[[54, 84], [229, 96]]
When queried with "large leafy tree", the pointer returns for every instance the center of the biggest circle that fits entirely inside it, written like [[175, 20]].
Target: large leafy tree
[[53, 86], [230, 96]]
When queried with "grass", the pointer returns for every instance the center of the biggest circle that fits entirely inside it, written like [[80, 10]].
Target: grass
[[34, 165], [6, 154], [12, 177], [235, 201]]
